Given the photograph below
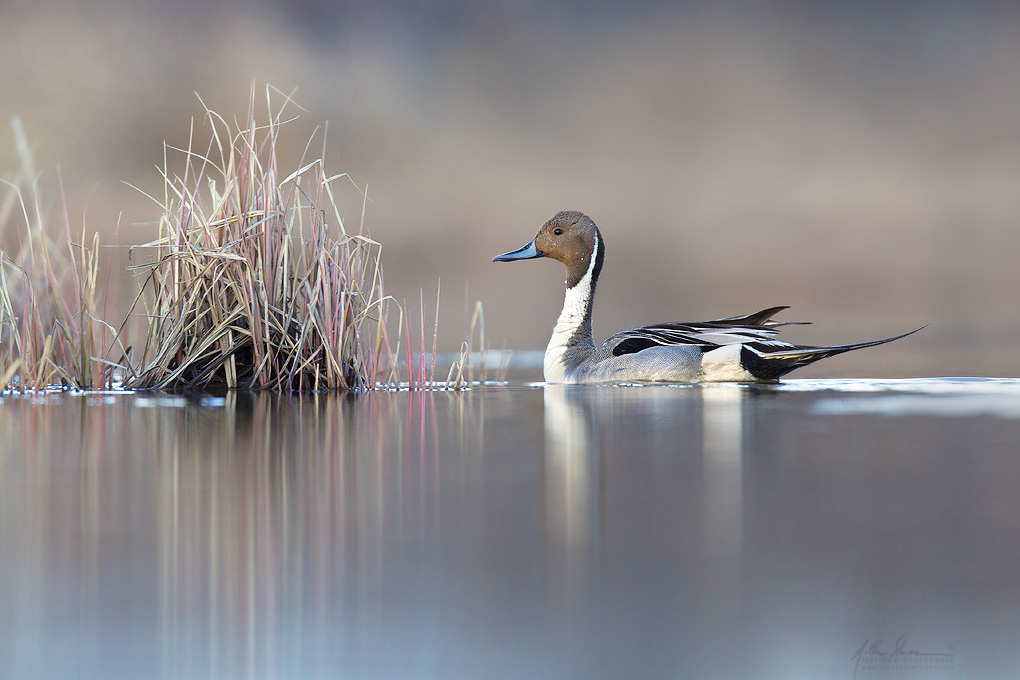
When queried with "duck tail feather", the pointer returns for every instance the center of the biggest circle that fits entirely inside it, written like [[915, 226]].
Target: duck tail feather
[[774, 365]]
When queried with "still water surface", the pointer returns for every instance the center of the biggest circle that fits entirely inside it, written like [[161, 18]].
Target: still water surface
[[815, 529]]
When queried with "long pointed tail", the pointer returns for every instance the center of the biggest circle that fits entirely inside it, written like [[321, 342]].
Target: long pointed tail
[[774, 365]]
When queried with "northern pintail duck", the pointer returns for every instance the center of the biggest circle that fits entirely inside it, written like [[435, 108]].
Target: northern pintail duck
[[739, 348]]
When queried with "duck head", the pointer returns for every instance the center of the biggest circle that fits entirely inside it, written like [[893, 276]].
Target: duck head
[[570, 237]]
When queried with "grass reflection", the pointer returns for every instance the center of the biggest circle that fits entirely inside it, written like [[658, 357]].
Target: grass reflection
[[243, 527]]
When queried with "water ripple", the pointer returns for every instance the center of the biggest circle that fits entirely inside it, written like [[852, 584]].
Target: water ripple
[[940, 397]]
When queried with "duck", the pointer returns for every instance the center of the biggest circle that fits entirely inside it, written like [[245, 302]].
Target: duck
[[734, 349]]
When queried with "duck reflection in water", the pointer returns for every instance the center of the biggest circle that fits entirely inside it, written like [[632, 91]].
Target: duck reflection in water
[[586, 430]]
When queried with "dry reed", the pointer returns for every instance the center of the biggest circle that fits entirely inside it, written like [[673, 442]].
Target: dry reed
[[51, 332], [255, 281]]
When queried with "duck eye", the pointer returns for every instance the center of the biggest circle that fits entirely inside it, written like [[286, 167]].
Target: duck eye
[[557, 231]]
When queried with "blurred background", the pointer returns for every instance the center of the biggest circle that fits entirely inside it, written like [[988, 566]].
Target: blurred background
[[858, 161]]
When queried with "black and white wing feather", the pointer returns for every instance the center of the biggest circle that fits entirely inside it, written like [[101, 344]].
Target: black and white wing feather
[[753, 329], [762, 353]]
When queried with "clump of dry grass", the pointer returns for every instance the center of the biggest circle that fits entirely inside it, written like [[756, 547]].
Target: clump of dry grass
[[255, 282], [50, 328]]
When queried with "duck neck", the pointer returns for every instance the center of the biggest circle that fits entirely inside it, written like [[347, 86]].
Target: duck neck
[[572, 340]]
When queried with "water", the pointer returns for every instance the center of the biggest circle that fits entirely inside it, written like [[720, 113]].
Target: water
[[813, 529]]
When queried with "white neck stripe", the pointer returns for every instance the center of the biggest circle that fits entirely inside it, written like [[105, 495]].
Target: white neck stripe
[[576, 306], [591, 264]]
